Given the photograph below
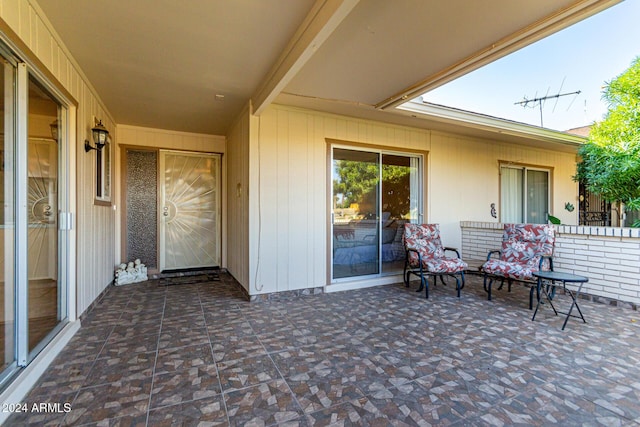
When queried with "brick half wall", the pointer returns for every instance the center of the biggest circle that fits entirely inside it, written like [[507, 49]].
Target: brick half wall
[[608, 256]]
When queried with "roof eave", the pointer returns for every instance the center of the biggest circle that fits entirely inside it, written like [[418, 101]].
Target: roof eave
[[500, 126]]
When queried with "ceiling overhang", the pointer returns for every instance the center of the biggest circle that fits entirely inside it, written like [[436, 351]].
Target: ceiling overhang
[[196, 68], [513, 42], [320, 22]]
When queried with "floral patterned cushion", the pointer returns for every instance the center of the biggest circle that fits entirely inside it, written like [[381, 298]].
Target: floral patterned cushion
[[522, 247], [444, 265], [509, 270], [425, 238]]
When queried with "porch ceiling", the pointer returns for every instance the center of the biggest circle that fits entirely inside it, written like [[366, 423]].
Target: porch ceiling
[[161, 63]]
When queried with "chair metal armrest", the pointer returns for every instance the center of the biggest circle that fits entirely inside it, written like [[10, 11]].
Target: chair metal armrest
[[495, 251], [413, 250], [417, 253], [447, 248], [542, 258]]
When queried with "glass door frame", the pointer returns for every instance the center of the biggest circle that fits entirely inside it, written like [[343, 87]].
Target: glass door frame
[[381, 152], [65, 233], [12, 242]]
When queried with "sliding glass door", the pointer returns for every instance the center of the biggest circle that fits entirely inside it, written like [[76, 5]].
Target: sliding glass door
[[374, 193], [33, 284]]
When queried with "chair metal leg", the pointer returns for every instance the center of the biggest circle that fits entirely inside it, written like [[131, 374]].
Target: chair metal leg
[[426, 286], [487, 286], [531, 297], [422, 281], [406, 273]]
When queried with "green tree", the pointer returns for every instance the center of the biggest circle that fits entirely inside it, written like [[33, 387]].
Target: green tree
[[354, 180], [610, 163], [357, 182]]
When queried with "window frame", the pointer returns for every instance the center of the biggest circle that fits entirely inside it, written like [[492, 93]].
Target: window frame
[[104, 164], [523, 190]]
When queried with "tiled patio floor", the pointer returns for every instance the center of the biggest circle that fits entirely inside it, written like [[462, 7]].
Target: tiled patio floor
[[198, 354]]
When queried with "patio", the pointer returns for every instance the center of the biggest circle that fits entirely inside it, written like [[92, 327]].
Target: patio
[[150, 354]]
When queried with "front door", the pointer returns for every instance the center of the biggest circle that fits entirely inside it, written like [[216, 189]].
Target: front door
[[189, 217]]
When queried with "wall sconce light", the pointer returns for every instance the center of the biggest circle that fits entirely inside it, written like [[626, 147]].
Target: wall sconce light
[[54, 129], [99, 134]]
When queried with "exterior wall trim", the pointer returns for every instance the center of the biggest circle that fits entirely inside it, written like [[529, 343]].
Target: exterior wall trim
[[483, 121]]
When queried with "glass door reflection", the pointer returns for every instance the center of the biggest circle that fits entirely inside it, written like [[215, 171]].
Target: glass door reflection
[[400, 204], [356, 188], [44, 292], [373, 195]]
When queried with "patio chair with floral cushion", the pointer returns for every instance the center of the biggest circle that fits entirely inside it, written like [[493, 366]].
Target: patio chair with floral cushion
[[526, 248], [425, 256]]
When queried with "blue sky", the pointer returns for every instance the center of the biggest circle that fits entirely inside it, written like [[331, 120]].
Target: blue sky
[[580, 58]]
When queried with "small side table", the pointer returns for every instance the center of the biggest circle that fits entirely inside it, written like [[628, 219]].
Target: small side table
[[556, 276]]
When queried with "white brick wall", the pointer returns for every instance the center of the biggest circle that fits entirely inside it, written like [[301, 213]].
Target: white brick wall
[[608, 256]]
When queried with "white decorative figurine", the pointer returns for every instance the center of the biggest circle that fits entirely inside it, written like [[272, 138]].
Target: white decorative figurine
[[131, 272]]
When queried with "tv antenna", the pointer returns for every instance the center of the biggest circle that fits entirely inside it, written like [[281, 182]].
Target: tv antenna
[[539, 102]]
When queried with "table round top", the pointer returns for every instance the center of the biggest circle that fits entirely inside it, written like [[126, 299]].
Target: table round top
[[559, 275]]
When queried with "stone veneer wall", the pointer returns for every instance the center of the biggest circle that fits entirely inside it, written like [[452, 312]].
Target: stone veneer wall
[[608, 256]]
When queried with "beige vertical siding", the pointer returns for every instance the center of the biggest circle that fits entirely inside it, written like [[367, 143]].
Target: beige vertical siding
[[237, 214], [465, 180], [289, 216], [94, 224], [289, 213]]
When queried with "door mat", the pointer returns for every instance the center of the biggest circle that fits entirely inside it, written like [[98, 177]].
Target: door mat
[[188, 279]]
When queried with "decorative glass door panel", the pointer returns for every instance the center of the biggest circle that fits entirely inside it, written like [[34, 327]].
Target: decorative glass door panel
[[189, 210], [142, 207], [374, 195]]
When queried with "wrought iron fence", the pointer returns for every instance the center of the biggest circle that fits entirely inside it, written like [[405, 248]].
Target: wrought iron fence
[[593, 209]]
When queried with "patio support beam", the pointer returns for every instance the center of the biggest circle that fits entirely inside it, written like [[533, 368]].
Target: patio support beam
[[323, 18], [563, 18]]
